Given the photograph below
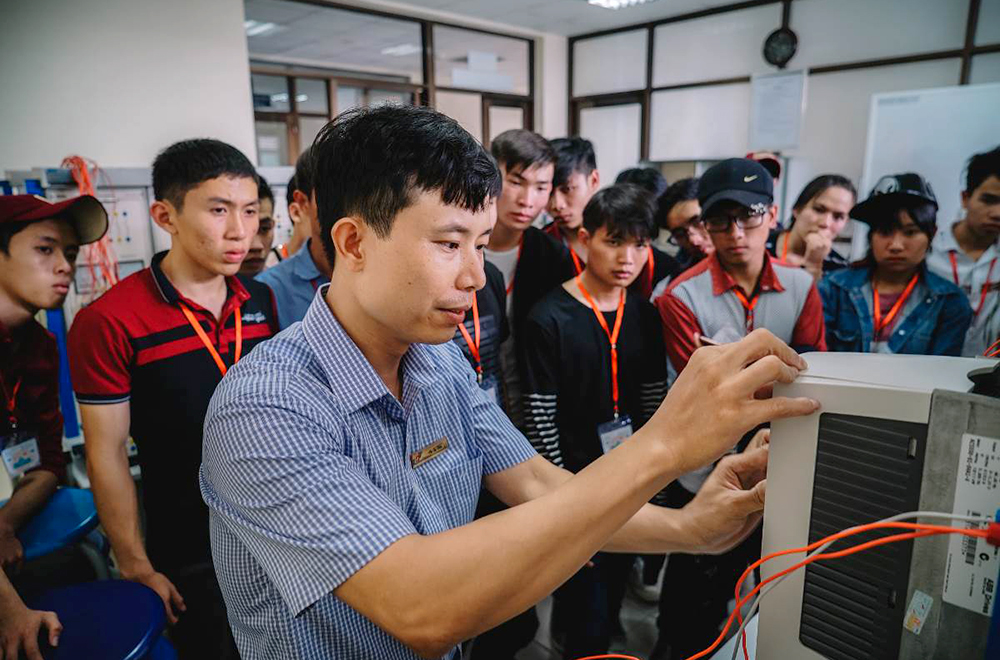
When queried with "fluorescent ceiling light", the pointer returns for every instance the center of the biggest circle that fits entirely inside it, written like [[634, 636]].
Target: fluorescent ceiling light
[[401, 50], [617, 4], [256, 28]]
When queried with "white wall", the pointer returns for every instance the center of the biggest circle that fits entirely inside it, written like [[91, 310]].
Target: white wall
[[118, 80]]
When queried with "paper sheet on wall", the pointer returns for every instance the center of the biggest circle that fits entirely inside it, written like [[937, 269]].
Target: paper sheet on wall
[[777, 104]]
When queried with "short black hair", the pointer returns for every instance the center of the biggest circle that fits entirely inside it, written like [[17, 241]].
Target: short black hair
[[818, 186], [682, 190], [264, 190], [626, 209], [290, 191], [649, 178], [981, 167], [370, 163], [573, 154], [7, 232], [519, 149], [923, 214], [184, 165]]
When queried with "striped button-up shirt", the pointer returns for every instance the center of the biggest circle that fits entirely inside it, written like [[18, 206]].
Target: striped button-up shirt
[[311, 469]]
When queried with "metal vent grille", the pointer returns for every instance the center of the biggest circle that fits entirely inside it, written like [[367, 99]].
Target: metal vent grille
[[866, 469]]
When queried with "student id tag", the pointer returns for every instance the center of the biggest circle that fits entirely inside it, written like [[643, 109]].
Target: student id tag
[[20, 454], [491, 386], [615, 432]]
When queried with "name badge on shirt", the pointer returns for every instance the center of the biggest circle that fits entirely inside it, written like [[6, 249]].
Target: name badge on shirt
[[431, 451], [615, 432], [491, 386], [20, 454]]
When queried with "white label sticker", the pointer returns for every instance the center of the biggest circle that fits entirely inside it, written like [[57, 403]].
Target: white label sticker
[[970, 576], [916, 615], [20, 455]]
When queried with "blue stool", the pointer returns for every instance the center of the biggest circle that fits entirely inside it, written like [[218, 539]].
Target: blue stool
[[67, 517], [113, 619]]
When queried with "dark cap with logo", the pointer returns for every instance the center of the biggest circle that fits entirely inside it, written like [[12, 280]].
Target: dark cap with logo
[[890, 192], [85, 213], [739, 180]]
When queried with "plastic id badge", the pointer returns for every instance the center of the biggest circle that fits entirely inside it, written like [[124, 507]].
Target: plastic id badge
[[615, 432], [20, 454], [491, 386]]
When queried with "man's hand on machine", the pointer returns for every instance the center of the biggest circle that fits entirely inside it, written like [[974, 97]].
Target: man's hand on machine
[[729, 504], [722, 393]]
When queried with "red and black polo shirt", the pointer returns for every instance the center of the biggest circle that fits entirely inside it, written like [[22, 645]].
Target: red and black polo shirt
[[135, 344]]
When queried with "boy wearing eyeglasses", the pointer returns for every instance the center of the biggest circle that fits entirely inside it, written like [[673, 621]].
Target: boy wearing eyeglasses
[[739, 287], [723, 297]]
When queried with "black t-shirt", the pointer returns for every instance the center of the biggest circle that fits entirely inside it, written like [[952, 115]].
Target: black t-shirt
[[493, 328], [568, 383]]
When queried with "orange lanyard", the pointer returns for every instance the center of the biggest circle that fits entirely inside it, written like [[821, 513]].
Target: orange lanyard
[[520, 248], [612, 336], [649, 267], [784, 249], [284, 251], [474, 345], [10, 400], [989, 352], [208, 343], [577, 266], [881, 323], [986, 285], [748, 306]]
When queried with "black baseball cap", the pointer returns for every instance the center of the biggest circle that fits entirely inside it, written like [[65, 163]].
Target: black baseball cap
[[740, 180], [889, 192]]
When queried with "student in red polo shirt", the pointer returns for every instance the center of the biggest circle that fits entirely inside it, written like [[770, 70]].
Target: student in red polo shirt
[[146, 358], [736, 289], [39, 242]]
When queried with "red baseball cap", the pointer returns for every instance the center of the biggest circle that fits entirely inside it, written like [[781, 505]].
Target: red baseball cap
[[86, 213], [769, 160]]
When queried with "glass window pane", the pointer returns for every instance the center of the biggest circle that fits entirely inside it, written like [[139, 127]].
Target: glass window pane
[[382, 96], [475, 60], [349, 97], [272, 143], [310, 96], [285, 32], [615, 63], [309, 127], [504, 119], [615, 131], [985, 69], [465, 108], [270, 93], [715, 47]]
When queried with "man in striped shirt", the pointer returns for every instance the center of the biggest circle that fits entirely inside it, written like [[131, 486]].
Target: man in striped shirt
[[343, 459]]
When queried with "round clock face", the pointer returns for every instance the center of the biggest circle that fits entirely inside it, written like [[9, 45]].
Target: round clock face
[[780, 46]]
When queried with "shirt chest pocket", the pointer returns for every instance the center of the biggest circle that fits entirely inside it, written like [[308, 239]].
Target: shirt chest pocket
[[450, 482]]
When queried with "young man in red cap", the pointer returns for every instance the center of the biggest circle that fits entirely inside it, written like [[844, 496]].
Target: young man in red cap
[[146, 358], [39, 242]]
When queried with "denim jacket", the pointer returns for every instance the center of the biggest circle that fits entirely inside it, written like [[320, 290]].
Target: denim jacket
[[934, 321]]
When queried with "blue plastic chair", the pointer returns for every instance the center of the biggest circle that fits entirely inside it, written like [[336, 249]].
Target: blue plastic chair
[[113, 619], [162, 650], [68, 516]]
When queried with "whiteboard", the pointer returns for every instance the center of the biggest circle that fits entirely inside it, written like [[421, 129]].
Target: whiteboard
[[932, 132]]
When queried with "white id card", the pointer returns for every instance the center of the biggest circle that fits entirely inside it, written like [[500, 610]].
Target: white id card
[[20, 454], [491, 386], [615, 432]]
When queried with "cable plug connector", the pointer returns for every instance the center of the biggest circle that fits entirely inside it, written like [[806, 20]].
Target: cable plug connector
[[993, 534]]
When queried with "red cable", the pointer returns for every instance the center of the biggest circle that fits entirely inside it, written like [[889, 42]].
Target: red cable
[[927, 530]]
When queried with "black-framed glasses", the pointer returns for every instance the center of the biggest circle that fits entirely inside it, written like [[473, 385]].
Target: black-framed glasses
[[679, 234], [720, 223]]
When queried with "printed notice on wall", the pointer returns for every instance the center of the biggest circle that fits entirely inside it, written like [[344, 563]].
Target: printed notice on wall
[[776, 108], [970, 576]]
